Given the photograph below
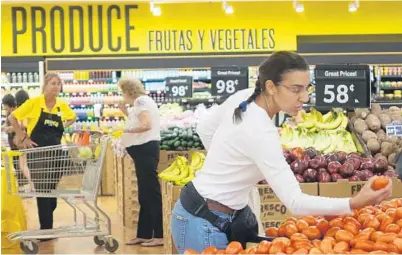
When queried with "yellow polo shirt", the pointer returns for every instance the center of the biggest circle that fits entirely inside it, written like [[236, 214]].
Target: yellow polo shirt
[[31, 110]]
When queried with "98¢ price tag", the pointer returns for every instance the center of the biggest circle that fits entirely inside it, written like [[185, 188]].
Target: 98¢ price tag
[[346, 86], [226, 81], [179, 87]]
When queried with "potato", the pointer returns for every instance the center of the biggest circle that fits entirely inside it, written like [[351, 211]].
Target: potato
[[376, 109], [381, 135], [367, 135], [362, 113], [360, 126], [392, 158], [387, 148], [395, 110], [396, 118], [385, 120], [373, 122], [373, 145]]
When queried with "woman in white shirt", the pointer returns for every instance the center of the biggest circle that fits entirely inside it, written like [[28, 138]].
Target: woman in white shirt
[[245, 149], [141, 138]]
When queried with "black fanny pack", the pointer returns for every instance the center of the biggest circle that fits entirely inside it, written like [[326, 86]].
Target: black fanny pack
[[243, 227]]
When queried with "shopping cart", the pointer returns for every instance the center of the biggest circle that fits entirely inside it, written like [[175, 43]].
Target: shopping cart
[[39, 176]]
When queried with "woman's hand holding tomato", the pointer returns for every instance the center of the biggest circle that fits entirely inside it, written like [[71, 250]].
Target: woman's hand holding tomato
[[369, 196]]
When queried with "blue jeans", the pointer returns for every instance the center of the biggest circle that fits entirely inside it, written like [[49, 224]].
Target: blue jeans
[[191, 232]]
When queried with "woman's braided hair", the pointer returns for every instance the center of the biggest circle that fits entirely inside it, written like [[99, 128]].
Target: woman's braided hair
[[272, 69]]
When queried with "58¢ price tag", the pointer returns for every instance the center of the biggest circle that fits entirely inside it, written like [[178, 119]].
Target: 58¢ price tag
[[228, 80], [179, 87], [346, 86]]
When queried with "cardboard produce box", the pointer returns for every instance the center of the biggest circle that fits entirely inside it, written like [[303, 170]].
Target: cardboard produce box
[[344, 188], [271, 223], [108, 173], [268, 195], [167, 157]]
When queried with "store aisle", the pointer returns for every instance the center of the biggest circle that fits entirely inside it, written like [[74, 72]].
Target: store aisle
[[85, 245]]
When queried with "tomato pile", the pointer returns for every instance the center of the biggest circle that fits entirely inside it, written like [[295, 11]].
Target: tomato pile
[[373, 229]]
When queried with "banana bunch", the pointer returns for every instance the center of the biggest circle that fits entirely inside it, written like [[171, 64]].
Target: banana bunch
[[326, 133], [180, 172]]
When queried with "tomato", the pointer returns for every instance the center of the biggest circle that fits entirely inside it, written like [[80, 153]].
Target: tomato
[[289, 250], [387, 238], [341, 247], [392, 248], [190, 251], [392, 228], [378, 252], [323, 226], [210, 250], [221, 252], [281, 231], [385, 222], [312, 232], [234, 248], [310, 220], [380, 183], [357, 251], [291, 219], [353, 221], [398, 213], [315, 250], [343, 235], [276, 248], [366, 245], [301, 224], [351, 228], [290, 230], [380, 246], [332, 231], [316, 243], [362, 217], [286, 241], [336, 223], [298, 236], [371, 222], [263, 247], [398, 243], [301, 251], [399, 222], [326, 246], [271, 232]]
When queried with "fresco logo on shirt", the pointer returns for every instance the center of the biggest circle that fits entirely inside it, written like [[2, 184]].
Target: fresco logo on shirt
[[51, 123]]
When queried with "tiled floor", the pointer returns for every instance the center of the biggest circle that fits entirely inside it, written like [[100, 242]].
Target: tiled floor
[[83, 245]]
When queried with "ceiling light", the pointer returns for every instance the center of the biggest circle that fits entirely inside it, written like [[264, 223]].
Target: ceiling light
[[353, 6], [156, 10], [298, 7], [227, 8]]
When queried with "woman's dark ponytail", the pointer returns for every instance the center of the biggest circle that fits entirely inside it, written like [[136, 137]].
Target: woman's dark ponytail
[[237, 115]]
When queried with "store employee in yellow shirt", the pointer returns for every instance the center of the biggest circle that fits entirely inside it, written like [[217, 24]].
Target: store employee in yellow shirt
[[47, 117]]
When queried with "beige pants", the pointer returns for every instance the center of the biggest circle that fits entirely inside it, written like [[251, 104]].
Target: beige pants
[[255, 205]]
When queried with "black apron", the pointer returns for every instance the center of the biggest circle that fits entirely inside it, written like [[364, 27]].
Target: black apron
[[46, 167]]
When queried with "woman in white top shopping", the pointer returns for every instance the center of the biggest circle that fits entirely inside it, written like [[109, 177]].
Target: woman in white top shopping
[[245, 149], [141, 138]]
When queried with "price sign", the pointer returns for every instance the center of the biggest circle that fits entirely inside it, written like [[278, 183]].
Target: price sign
[[227, 80], [179, 87], [345, 86], [394, 130]]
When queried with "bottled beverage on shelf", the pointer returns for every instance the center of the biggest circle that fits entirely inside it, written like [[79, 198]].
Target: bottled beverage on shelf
[[20, 78]]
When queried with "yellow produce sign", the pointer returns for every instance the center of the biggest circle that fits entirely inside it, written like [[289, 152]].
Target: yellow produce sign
[[110, 28]]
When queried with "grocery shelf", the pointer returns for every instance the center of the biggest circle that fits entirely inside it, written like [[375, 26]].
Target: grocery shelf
[[391, 89], [389, 102], [398, 77]]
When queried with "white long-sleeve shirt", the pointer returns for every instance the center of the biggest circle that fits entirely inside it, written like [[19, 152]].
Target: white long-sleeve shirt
[[240, 155]]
